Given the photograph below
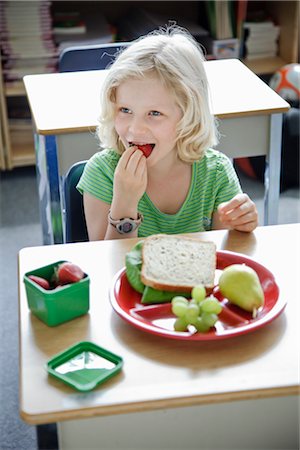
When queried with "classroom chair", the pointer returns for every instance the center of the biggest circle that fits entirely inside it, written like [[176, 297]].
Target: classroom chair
[[73, 214], [89, 57]]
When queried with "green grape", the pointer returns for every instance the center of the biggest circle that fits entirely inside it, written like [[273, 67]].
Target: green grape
[[192, 312], [180, 324], [211, 305], [193, 302], [201, 326], [179, 308], [179, 299], [199, 293], [209, 319]]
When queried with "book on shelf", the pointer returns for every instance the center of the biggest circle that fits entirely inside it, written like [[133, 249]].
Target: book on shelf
[[260, 47], [260, 39], [18, 74], [97, 31], [262, 55], [265, 25], [261, 33], [222, 19], [69, 22], [27, 44], [16, 63], [28, 48]]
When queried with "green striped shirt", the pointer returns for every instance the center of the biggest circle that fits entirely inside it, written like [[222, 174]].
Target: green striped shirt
[[213, 181]]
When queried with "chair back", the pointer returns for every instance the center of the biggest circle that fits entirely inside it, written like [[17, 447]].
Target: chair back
[[89, 57], [74, 218]]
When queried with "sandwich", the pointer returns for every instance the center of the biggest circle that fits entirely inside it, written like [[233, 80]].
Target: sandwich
[[177, 263]]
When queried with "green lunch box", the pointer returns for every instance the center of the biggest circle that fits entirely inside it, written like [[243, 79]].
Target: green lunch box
[[55, 306]]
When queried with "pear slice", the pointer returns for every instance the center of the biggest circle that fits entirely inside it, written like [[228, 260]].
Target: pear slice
[[240, 284]]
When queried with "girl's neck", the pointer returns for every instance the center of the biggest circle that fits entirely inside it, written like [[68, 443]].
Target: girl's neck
[[165, 167]]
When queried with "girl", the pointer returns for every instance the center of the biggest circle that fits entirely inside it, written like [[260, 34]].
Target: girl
[[158, 172]]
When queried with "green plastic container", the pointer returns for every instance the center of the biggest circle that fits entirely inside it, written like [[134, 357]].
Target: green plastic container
[[58, 305], [84, 366]]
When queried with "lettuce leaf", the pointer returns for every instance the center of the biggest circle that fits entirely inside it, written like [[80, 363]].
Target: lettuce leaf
[[133, 264], [151, 296]]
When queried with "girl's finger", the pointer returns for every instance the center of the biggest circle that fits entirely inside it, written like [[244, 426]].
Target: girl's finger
[[242, 221], [239, 211], [134, 161], [123, 161], [248, 217], [235, 202], [141, 168]]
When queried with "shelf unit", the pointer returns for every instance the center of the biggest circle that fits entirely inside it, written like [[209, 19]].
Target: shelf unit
[[4, 135], [20, 141], [286, 15], [17, 146]]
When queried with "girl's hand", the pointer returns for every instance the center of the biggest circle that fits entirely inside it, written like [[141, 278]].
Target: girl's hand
[[130, 179], [239, 213]]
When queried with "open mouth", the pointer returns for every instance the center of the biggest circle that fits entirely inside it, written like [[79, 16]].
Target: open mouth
[[145, 148]]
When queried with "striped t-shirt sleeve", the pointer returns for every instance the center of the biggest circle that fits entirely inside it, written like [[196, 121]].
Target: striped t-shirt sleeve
[[98, 175], [227, 182]]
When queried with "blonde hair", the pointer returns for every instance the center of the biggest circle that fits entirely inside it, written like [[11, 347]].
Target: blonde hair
[[176, 58]]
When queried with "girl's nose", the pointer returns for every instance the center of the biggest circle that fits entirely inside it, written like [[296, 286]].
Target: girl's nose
[[137, 127]]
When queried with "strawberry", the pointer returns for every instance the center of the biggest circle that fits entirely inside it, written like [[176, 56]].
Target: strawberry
[[68, 272], [146, 149], [40, 281]]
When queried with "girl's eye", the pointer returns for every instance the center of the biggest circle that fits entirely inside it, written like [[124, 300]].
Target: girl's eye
[[155, 113], [125, 110]]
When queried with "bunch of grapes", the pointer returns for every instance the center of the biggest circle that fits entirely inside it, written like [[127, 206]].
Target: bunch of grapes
[[201, 311]]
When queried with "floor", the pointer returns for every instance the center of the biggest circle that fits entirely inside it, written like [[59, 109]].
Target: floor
[[19, 227]]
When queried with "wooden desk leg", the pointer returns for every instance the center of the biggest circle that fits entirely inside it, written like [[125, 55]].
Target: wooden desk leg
[[49, 189], [272, 172]]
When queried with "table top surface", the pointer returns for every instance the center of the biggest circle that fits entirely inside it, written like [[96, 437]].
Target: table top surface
[[159, 372], [69, 102]]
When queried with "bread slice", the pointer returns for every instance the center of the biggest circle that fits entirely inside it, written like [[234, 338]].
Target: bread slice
[[177, 263]]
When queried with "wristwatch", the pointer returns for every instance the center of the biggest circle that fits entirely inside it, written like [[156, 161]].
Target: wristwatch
[[126, 224]]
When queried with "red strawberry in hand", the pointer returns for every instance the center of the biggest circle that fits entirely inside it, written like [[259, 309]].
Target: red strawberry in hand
[[68, 272]]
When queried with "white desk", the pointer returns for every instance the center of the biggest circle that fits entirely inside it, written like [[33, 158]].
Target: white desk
[[65, 108], [238, 393]]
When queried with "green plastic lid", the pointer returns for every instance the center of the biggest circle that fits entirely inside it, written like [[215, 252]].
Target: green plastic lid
[[84, 365]]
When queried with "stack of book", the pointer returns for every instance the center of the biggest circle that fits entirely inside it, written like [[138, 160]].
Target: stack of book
[[75, 28], [224, 17], [68, 23], [261, 39], [27, 45]]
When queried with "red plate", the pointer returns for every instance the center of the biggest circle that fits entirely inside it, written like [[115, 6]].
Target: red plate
[[233, 321]]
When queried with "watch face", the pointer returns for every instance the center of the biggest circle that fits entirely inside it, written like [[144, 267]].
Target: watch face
[[127, 227]]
